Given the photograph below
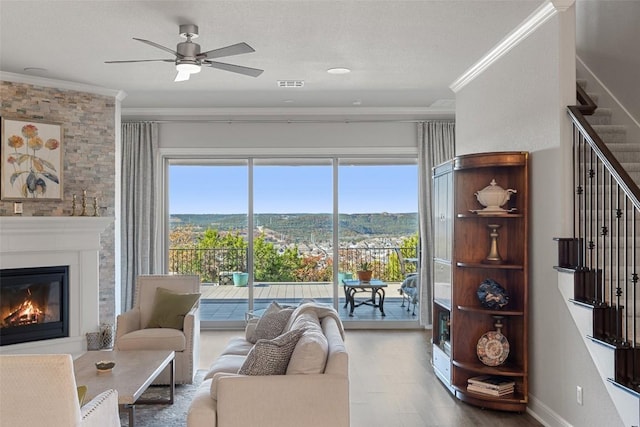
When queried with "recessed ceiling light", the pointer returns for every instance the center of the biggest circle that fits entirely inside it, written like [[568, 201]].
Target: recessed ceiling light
[[357, 102], [338, 70]]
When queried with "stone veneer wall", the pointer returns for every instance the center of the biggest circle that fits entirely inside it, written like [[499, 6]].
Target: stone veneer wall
[[88, 123]]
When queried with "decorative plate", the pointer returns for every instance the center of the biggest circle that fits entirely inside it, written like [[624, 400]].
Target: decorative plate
[[493, 348]]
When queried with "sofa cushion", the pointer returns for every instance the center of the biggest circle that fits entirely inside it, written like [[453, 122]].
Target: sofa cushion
[[238, 345], [271, 357], [169, 308], [153, 339], [310, 354], [229, 363], [271, 323]]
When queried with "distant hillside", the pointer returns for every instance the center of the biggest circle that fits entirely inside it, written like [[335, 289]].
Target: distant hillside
[[306, 227]]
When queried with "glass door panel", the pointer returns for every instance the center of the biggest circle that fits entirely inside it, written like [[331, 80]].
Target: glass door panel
[[378, 212], [208, 223], [293, 230]]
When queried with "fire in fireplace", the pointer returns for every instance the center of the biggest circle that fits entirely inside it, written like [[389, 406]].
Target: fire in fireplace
[[34, 304]]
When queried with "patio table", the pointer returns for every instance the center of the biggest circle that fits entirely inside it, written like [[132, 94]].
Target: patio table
[[375, 287]]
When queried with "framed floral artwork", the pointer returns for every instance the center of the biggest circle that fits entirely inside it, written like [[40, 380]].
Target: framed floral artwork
[[31, 160]]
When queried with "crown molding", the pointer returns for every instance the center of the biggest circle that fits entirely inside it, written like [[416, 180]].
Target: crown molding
[[519, 34], [119, 95]]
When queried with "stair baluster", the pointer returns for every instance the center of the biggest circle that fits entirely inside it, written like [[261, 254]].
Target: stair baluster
[[606, 218]]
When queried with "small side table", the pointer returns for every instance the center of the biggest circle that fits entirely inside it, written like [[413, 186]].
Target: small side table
[[376, 287]]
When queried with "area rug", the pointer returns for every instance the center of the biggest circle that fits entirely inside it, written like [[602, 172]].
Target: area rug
[[165, 415]]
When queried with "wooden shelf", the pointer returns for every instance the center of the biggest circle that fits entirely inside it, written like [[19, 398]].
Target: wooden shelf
[[489, 266], [506, 370], [489, 312], [462, 240], [495, 216]]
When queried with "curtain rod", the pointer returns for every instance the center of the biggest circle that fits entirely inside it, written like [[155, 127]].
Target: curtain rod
[[249, 121]]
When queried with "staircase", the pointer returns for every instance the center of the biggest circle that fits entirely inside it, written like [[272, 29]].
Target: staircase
[[599, 265]]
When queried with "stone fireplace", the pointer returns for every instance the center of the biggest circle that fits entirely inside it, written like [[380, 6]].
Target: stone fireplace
[[65, 246]]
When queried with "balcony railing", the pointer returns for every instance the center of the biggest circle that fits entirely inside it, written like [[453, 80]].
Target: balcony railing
[[215, 265]]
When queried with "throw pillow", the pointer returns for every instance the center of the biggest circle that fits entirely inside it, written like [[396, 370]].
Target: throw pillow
[[271, 357], [82, 393], [312, 349], [169, 308], [272, 323]]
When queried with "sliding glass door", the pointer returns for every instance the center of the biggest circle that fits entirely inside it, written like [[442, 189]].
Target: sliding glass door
[[265, 229]]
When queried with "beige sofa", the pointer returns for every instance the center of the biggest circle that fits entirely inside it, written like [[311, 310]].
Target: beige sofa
[[313, 392]]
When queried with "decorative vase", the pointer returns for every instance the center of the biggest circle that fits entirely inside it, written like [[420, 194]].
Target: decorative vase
[[240, 279], [106, 335], [344, 276], [94, 340]]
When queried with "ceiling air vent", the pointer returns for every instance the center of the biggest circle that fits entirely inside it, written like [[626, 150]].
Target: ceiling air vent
[[290, 83]]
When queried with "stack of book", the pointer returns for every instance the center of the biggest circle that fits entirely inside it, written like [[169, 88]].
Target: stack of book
[[491, 385]]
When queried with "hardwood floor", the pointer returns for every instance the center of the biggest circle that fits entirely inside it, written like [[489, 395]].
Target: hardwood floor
[[392, 382]]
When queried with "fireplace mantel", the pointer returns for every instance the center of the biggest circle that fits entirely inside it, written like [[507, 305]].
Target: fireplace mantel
[[53, 241]]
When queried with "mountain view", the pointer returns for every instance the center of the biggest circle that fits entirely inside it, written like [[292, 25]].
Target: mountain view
[[298, 228]]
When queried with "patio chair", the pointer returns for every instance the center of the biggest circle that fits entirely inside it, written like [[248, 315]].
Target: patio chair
[[409, 290], [134, 332]]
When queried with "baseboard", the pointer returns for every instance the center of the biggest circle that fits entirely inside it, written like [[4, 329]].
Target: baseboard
[[544, 414]]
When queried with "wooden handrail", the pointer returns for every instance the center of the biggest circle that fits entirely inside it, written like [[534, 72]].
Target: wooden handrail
[[587, 107], [620, 175]]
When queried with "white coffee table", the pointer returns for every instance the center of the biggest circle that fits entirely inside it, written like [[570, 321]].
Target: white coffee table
[[132, 375]]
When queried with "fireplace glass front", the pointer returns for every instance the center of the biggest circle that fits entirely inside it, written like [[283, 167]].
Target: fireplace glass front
[[34, 304]]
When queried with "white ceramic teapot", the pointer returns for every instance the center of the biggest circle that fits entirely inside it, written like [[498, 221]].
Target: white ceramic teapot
[[492, 197]]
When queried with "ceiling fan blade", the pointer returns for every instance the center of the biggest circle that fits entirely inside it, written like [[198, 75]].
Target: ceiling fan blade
[[235, 49], [182, 76], [159, 46], [140, 60], [253, 72]]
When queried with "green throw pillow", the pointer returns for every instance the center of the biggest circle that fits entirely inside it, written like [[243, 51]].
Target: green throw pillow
[[82, 392], [169, 308]]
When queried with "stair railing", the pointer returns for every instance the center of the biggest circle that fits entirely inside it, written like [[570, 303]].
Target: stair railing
[[606, 222]]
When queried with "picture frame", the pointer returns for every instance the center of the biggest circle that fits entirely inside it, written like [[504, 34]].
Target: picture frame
[[31, 160]]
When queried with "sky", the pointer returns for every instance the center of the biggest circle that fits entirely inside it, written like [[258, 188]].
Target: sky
[[292, 189]]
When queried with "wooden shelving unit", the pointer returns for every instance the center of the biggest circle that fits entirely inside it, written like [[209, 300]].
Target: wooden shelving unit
[[459, 265]]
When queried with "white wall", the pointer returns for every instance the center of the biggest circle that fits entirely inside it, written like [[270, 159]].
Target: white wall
[[607, 37], [519, 103], [290, 138]]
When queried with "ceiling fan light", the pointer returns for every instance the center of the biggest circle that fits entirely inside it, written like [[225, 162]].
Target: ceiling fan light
[[188, 68]]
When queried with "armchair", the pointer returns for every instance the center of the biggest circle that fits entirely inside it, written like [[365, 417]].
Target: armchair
[[133, 333], [41, 390]]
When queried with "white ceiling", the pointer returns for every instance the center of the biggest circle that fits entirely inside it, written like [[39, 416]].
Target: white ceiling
[[402, 53]]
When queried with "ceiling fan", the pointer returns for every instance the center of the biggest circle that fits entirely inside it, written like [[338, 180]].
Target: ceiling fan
[[189, 59]]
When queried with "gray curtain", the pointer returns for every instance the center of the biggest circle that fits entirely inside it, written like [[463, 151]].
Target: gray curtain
[[139, 228], [436, 144]]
